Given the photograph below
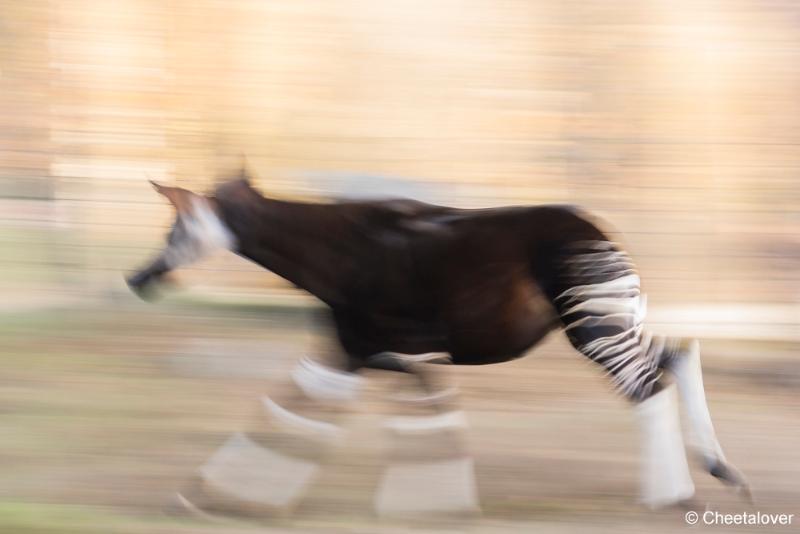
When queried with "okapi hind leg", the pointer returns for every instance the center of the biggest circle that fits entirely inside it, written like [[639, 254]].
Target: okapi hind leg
[[601, 306], [665, 476], [684, 365]]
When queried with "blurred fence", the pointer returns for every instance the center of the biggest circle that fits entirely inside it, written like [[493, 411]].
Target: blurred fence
[[677, 121]]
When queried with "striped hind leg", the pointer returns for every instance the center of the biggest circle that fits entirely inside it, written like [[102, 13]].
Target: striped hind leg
[[602, 310]]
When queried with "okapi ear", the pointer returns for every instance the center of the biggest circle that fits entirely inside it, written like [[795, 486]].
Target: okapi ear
[[157, 186], [180, 198], [244, 174]]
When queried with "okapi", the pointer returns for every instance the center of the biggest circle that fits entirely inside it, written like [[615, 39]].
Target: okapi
[[404, 280]]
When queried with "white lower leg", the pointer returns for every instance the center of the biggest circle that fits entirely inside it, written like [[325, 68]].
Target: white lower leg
[[258, 477], [689, 377], [429, 466], [429, 470], [665, 471]]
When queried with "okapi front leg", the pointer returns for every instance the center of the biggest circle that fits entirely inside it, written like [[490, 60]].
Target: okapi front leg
[[267, 469], [429, 469]]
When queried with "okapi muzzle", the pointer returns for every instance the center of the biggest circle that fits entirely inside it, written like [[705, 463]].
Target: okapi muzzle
[[196, 233], [143, 282]]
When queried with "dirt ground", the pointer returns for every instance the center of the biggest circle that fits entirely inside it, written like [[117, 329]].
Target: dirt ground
[[105, 410]]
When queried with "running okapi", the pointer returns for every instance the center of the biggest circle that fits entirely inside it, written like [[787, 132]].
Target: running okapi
[[404, 280]]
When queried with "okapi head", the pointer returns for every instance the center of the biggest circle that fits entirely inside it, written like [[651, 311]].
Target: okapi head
[[196, 233]]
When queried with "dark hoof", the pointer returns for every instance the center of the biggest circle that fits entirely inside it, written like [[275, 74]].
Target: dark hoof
[[150, 288], [690, 503], [142, 288], [731, 476], [180, 506]]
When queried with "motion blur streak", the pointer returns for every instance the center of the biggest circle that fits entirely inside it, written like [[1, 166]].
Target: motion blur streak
[[676, 121]]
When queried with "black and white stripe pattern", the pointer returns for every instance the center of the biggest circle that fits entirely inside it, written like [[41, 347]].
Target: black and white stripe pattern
[[602, 308]]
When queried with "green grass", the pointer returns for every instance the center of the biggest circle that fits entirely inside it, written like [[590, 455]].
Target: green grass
[[45, 518], [34, 518]]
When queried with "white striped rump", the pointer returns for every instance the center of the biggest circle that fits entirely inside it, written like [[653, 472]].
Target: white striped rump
[[603, 310], [623, 283]]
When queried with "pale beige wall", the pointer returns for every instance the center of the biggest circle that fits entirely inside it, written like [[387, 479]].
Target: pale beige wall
[[677, 121]]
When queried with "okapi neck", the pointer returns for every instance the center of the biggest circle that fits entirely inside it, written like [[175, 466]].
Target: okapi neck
[[296, 241]]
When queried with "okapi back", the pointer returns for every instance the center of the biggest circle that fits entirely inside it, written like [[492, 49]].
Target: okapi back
[[415, 277]]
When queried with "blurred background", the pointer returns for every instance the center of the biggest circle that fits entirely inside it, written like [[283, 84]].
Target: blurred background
[[677, 122]]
